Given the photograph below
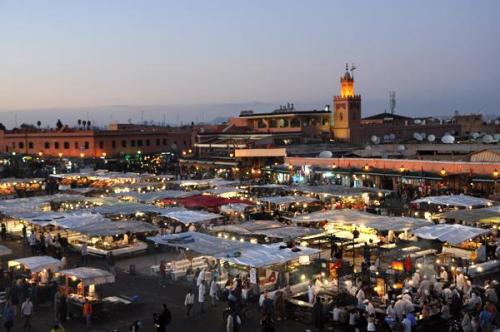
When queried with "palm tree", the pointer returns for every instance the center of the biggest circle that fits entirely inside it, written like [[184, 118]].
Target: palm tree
[[84, 123], [39, 124], [88, 124], [59, 124], [79, 123]]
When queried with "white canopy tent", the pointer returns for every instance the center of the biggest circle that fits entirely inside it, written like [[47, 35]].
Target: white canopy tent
[[191, 217], [234, 208], [453, 234], [358, 218], [287, 200], [37, 263], [153, 196], [454, 200], [89, 275]]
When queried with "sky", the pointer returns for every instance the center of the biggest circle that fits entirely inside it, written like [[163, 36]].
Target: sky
[[182, 61]]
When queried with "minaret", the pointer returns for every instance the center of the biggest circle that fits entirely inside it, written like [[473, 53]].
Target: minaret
[[347, 108]]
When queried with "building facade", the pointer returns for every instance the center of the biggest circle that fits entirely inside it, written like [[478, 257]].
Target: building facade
[[116, 140]]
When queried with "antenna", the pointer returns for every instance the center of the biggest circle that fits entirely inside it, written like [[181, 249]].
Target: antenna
[[392, 101]]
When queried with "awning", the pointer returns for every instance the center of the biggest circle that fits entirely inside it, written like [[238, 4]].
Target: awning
[[453, 234], [207, 201], [116, 228], [191, 217], [37, 263], [280, 200], [358, 218], [484, 215], [89, 275], [454, 200]]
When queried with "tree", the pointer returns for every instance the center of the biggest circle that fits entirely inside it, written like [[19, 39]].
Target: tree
[[88, 124], [84, 123], [39, 124], [59, 124], [79, 123]]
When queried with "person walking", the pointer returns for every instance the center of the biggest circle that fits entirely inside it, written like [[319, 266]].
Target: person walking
[[87, 314], [201, 295], [233, 322], [84, 252], [189, 302], [163, 274], [214, 292], [318, 314], [8, 316], [165, 318], [26, 312]]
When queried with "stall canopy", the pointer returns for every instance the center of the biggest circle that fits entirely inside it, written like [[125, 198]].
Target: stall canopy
[[336, 190], [126, 208], [37, 263], [358, 218], [454, 200], [234, 208], [153, 196], [191, 217], [286, 200], [268, 228], [244, 253], [453, 234], [4, 251], [489, 215], [206, 201], [111, 228], [89, 275], [266, 255]]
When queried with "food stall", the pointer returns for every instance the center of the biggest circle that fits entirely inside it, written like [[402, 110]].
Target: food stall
[[459, 240], [430, 207], [80, 286], [36, 270]]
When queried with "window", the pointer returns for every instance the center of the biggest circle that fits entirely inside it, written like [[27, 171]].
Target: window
[[157, 141], [77, 146], [124, 144], [132, 142], [56, 145], [354, 116], [86, 145], [21, 145], [113, 144], [139, 142], [282, 123], [185, 143], [147, 142], [164, 141], [6, 148], [13, 145], [261, 124], [324, 121], [272, 123], [101, 145], [30, 145], [66, 145], [295, 123], [341, 116], [46, 145]]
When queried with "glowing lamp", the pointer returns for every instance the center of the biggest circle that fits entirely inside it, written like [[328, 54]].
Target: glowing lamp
[[442, 172], [402, 169], [304, 260], [495, 173]]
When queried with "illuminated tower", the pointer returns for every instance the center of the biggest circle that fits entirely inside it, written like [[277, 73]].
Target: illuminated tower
[[347, 111]]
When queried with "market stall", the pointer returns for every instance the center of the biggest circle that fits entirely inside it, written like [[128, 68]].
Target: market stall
[[80, 286], [489, 216], [459, 240], [37, 272]]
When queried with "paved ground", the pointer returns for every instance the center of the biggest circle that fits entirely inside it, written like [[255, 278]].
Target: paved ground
[[151, 294]]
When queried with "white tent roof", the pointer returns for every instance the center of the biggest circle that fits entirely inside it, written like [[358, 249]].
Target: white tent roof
[[287, 199], [37, 263], [354, 217], [152, 196], [265, 255], [453, 234], [454, 200], [89, 275], [244, 253], [4, 251], [269, 228], [189, 216], [234, 207], [488, 215]]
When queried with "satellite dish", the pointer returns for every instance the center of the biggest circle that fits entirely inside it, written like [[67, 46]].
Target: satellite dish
[[326, 154], [448, 139], [386, 137], [431, 138], [392, 137], [374, 139], [418, 136], [417, 121], [487, 139], [401, 147], [496, 137], [475, 135], [424, 135]]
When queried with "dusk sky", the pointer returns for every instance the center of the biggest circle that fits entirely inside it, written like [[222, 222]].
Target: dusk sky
[[198, 60]]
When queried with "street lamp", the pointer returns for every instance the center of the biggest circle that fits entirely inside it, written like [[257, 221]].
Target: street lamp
[[442, 172]]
